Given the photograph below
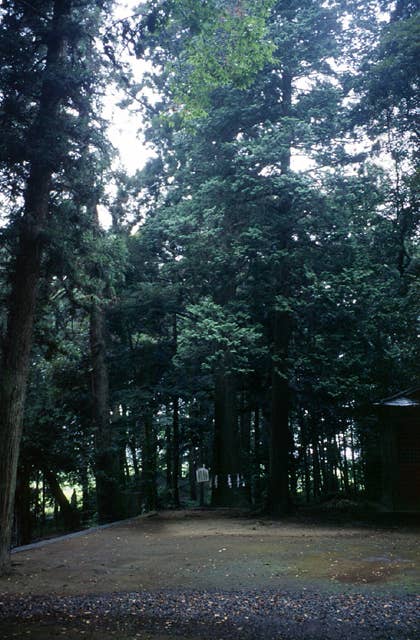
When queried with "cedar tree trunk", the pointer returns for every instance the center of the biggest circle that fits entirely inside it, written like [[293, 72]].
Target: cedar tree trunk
[[107, 460], [25, 277]]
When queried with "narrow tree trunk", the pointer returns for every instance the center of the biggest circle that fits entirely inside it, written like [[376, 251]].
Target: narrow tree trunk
[[125, 469], [24, 281], [37, 500], [305, 458], [286, 103], [134, 457], [168, 456], [316, 464], [331, 466], [306, 474], [43, 504], [345, 466], [323, 466], [353, 461], [192, 467], [84, 480]]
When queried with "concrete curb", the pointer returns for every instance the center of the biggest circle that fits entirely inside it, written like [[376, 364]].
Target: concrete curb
[[76, 534]]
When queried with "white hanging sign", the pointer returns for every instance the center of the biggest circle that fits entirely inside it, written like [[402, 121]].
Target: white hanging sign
[[202, 474]]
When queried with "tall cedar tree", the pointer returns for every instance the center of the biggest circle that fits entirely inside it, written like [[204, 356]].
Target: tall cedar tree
[[58, 31]]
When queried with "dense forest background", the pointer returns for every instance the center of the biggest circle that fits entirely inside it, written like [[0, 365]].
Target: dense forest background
[[256, 290]]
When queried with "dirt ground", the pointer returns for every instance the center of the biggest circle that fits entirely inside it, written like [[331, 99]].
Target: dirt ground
[[206, 549], [175, 572]]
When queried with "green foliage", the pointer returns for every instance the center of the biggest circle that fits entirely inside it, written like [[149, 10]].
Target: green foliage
[[221, 339], [231, 46]]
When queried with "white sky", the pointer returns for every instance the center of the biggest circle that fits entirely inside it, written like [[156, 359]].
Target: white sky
[[125, 123]]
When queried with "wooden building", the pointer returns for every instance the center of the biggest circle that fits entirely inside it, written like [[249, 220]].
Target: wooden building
[[399, 428]]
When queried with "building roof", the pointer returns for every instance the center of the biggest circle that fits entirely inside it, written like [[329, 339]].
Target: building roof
[[408, 398]]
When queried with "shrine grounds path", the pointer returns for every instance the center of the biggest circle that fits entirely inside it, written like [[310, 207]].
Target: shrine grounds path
[[217, 575]]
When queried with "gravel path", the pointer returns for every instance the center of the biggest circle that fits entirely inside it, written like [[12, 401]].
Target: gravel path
[[219, 615]]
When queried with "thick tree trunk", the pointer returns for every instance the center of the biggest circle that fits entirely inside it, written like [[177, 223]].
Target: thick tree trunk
[[23, 515], [279, 498], [107, 460], [24, 281], [257, 456], [226, 457], [245, 447], [279, 461], [175, 451], [149, 465]]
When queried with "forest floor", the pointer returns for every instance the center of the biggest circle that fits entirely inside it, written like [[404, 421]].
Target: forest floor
[[198, 575]]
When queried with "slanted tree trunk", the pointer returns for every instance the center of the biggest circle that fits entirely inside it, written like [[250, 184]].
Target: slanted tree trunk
[[71, 516], [26, 274]]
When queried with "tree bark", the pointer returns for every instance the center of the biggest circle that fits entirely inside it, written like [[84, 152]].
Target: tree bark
[[107, 459], [245, 447], [257, 456], [149, 464], [279, 495], [316, 463], [70, 515], [226, 458], [175, 451], [23, 514], [25, 279]]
